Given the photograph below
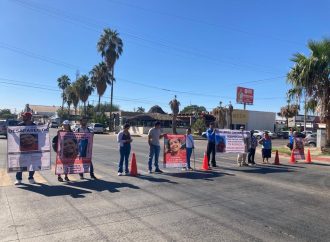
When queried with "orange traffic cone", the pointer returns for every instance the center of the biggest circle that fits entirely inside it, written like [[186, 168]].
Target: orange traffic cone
[[308, 158], [292, 159], [133, 166], [205, 166], [277, 159]]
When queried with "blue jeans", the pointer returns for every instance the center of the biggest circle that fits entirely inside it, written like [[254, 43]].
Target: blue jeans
[[154, 151], [124, 154], [19, 175], [189, 152]]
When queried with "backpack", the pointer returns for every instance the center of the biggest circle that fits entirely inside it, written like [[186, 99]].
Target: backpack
[[54, 143]]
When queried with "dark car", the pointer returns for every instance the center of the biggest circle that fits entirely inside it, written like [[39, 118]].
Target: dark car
[[4, 124], [283, 134], [54, 125]]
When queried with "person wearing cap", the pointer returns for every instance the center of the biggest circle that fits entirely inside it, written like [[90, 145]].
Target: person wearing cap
[[65, 128], [84, 129], [252, 148], [241, 157], [154, 135], [210, 134], [27, 121], [124, 139]]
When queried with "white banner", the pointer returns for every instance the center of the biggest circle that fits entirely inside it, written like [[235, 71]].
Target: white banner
[[230, 141], [28, 148]]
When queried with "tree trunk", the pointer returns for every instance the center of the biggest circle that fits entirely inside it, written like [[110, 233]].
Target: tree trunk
[[111, 97], [69, 110], [174, 124], [99, 107], [62, 100], [84, 108]]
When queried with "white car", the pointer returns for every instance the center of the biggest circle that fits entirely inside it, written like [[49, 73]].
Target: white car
[[74, 127], [260, 133], [97, 128]]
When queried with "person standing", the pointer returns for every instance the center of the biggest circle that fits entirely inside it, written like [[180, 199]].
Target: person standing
[[154, 135], [241, 158], [266, 143], [124, 139], [189, 147], [27, 121], [210, 134], [252, 149], [84, 129], [65, 128], [291, 138]]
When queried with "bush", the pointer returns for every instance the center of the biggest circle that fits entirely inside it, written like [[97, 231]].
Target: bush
[[199, 126]]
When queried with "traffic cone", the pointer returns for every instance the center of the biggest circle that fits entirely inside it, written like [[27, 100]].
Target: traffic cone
[[292, 159], [133, 166], [277, 159], [308, 158], [205, 166]]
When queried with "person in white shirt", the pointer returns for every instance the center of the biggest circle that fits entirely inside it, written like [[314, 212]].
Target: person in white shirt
[[124, 139], [189, 147], [154, 135]]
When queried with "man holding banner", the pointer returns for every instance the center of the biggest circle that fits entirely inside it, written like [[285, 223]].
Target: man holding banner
[[210, 134]]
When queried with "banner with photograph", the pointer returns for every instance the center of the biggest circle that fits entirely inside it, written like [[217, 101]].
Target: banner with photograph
[[28, 148], [174, 150], [230, 141], [298, 149], [74, 153]]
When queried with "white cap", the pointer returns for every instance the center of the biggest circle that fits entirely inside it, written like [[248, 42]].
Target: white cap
[[66, 122]]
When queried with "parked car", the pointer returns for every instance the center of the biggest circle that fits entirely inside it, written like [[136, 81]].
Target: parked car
[[54, 125], [4, 125], [97, 128], [259, 133], [310, 140], [283, 134]]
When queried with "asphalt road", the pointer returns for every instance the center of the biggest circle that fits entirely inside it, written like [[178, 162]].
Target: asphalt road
[[229, 203]]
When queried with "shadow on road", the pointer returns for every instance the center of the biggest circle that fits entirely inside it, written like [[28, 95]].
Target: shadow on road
[[102, 185], [155, 179], [262, 169], [199, 175], [52, 191], [319, 164]]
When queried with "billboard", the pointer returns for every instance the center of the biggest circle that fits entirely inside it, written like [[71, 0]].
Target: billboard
[[244, 95], [28, 148]]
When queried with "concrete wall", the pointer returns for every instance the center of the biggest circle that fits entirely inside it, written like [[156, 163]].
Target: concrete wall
[[261, 120]]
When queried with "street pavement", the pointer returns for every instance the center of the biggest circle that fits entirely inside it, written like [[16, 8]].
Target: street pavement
[[229, 203]]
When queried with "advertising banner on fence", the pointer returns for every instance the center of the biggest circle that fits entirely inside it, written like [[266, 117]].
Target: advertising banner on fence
[[298, 149], [28, 148], [230, 141], [74, 153], [244, 95], [174, 150]]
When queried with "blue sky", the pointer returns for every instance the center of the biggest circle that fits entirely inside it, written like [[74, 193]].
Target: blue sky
[[198, 50]]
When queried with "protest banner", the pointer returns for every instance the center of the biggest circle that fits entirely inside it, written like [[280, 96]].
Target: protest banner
[[28, 148], [174, 150], [230, 141], [298, 148], [74, 153]]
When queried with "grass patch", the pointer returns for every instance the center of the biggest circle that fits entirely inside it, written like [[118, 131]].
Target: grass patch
[[283, 150]]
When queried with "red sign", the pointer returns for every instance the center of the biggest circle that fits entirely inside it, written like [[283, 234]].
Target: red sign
[[244, 95]]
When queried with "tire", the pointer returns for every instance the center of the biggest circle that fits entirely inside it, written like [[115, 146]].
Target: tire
[[312, 144]]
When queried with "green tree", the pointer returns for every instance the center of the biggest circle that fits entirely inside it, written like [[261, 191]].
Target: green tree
[[199, 126], [110, 46], [289, 111], [74, 96], [106, 107], [174, 104], [312, 74], [6, 114], [193, 108], [62, 83], [100, 77], [84, 90]]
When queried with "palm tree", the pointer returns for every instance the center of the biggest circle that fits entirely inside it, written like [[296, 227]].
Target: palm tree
[[71, 96], [110, 46], [174, 104], [74, 96], [84, 89], [312, 74], [62, 83], [100, 77]]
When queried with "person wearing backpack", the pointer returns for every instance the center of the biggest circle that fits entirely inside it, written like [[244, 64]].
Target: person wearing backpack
[[84, 129], [65, 128]]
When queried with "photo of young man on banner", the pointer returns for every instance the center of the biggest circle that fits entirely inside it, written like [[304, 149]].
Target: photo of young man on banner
[[74, 153], [174, 151]]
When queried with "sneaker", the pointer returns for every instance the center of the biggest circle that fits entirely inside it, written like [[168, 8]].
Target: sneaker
[[93, 177], [81, 177], [184, 169], [190, 169], [158, 171], [214, 165], [60, 179], [120, 174], [150, 171], [31, 180], [66, 178], [18, 182], [126, 173]]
